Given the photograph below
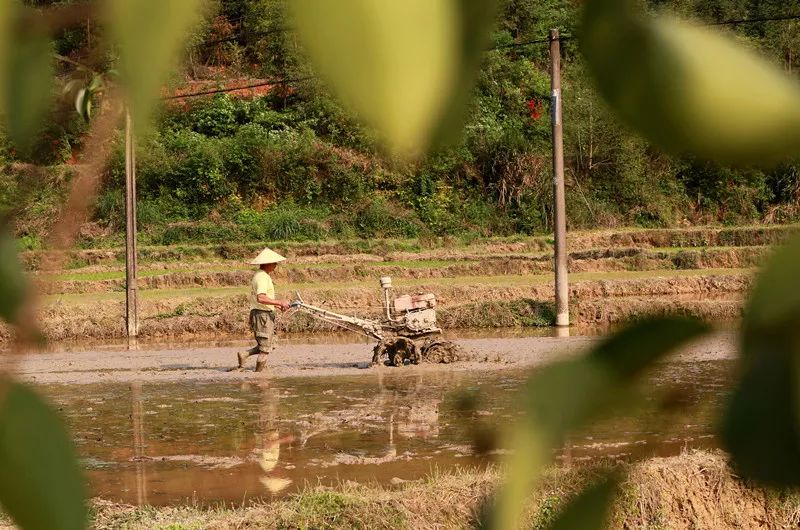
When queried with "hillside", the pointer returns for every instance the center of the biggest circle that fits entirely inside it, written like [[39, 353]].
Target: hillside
[[285, 162]]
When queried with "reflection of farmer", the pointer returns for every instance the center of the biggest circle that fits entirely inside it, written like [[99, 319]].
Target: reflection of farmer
[[262, 308]]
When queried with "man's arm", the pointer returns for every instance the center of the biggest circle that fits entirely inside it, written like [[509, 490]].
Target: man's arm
[[262, 298]]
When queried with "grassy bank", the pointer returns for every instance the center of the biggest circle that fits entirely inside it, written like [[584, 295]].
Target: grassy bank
[[694, 490]]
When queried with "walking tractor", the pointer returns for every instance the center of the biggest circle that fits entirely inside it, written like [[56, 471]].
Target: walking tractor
[[407, 332]]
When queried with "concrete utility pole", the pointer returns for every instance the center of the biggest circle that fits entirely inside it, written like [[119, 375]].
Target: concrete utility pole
[[560, 217], [131, 290]]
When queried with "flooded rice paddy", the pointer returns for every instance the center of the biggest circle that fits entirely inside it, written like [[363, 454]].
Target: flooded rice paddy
[[163, 443]]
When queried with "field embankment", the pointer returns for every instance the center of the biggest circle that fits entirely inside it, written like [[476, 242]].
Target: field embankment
[[615, 276], [694, 490]]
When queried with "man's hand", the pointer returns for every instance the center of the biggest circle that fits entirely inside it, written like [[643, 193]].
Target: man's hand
[[283, 304]]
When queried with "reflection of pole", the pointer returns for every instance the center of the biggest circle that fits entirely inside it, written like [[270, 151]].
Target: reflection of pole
[[131, 302], [138, 444], [559, 217]]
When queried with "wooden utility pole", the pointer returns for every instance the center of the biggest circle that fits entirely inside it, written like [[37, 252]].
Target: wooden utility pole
[[131, 290], [559, 217]]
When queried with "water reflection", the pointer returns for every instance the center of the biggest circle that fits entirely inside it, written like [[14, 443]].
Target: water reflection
[[138, 444], [208, 441]]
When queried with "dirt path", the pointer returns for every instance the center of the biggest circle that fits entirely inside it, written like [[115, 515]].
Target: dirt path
[[304, 360]]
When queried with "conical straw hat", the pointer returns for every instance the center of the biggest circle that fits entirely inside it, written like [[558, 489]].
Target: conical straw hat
[[267, 256]]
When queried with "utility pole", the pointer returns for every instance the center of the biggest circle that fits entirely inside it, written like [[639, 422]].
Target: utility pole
[[131, 290], [559, 217]]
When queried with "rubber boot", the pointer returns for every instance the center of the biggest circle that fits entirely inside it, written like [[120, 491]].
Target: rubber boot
[[260, 365], [242, 355]]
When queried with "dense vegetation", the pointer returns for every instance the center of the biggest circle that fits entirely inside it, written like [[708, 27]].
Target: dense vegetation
[[289, 163]]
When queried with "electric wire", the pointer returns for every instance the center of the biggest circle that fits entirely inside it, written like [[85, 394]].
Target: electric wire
[[562, 38], [270, 82]]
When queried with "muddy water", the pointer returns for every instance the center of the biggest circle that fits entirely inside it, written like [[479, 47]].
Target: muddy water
[[168, 442]]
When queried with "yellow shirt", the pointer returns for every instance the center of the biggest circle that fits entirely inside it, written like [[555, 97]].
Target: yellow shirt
[[261, 284]]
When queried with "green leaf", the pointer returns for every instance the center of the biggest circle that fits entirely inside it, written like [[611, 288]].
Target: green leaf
[[41, 485], [590, 509], [28, 83], [404, 67], [773, 299], [96, 83], [150, 34], [761, 427], [477, 18], [5, 38], [690, 89], [81, 99], [13, 283], [563, 396]]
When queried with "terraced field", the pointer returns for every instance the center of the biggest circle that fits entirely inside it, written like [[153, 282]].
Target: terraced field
[[615, 275]]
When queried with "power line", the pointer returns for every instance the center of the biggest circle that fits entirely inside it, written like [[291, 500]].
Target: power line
[[783, 18], [563, 38], [518, 44], [733, 22], [271, 82]]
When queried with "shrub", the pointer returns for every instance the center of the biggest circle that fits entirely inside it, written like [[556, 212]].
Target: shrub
[[216, 116], [196, 174], [51, 146], [731, 195], [110, 207], [161, 210], [243, 156], [200, 233], [287, 222], [380, 219]]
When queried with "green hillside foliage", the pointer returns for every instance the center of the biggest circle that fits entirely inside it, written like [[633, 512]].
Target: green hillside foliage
[[291, 164]]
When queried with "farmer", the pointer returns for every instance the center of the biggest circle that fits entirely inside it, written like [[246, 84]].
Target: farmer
[[262, 308]]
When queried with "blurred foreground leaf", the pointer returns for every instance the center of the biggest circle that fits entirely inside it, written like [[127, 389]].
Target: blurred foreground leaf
[[13, 284], [41, 485], [28, 73], [761, 428], [477, 18], [564, 396], [590, 509], [690, 89], [404, 67], [150, 34], [5, 39]]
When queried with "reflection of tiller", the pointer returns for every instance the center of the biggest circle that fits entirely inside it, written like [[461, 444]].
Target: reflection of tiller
[[407, 333]]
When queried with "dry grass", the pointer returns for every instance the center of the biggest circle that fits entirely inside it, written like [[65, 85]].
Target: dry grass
[[692, 491], [600, 265], [443, 248], [698, 490]]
